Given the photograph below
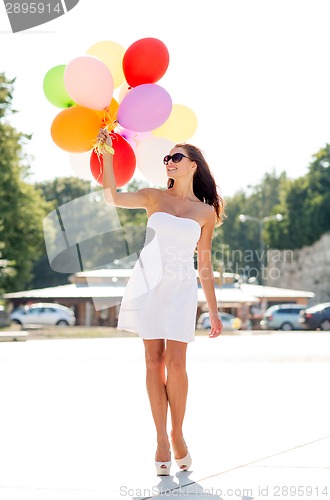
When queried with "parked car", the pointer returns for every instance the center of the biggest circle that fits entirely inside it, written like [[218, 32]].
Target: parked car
[[229, 321], [4, 317], [316, 317], [43, 314], [282, 317]]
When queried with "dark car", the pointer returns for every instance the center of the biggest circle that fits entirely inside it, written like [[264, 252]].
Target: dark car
[[316, 317]]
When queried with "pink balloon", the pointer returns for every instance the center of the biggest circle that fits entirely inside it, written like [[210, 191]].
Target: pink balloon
[[145, 108], [89, 82]]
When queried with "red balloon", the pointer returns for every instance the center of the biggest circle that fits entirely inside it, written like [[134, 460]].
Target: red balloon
[[145, 61], [124, 162]]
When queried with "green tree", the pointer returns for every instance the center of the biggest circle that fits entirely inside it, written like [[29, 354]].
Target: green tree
[[61, 190], [57, 192], [306, 207], [21, 207], [241, 241], [6, 268]]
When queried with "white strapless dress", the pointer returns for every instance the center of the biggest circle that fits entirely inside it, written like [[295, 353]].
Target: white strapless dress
[[160, 298]]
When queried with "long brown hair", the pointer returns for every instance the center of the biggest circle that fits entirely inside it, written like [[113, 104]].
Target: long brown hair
[[204, 185]]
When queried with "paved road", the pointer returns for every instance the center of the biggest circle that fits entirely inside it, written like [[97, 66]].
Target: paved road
[[75, 422]]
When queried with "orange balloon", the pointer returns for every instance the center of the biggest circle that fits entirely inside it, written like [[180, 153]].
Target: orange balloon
[[108, 116], [75, 129]]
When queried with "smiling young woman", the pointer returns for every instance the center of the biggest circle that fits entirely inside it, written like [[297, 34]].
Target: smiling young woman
[[160, 299]]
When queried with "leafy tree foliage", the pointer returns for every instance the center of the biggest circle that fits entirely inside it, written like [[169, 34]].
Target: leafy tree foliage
[[21, 206], [61, 190], [56, 192], [306, 207], [6, 268], [236, 244]]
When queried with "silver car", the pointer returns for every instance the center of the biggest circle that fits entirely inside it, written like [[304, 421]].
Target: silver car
[[43, 314], [282, 317]]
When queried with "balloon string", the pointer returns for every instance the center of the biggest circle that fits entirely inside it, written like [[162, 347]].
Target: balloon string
[[100, 146], [101, 172], [109, 122]]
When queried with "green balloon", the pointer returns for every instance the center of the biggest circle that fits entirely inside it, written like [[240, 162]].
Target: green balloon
[[54, 88]]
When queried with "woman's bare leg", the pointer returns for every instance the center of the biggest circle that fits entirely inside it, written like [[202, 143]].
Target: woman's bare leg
[[156, 388], [177, 390]]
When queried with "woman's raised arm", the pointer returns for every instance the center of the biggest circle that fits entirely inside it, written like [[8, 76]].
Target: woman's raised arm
[[140, 199]]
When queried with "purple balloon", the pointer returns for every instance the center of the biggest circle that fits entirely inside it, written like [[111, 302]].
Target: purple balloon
[[145, 108]]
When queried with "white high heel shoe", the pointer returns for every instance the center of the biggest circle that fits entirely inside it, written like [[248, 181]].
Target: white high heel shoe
[[185, 462], [163, 468]]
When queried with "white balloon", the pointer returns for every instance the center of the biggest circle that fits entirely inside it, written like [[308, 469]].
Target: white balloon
[[149, 158], [80, 164]]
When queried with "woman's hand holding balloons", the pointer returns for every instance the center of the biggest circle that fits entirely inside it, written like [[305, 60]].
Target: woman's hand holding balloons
[[105, 142], [103, 136]]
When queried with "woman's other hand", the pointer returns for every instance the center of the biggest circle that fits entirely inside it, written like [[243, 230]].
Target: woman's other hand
[[216, 325]]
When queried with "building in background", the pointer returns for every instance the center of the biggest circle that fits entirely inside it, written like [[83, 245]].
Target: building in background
[[95, 296]]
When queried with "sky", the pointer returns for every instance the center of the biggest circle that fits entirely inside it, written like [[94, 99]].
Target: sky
[[256, 73]]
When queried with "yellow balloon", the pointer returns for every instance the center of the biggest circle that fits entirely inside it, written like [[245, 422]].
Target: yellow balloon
[[180, 126], [123, 91], [112, 54]]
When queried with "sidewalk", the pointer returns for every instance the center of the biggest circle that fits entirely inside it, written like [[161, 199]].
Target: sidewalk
[[75, 422]]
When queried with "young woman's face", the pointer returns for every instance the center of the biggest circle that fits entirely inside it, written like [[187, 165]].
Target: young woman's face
[[178, 164]]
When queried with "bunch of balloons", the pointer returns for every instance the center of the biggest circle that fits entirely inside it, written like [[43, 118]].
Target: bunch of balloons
[[143, 121]]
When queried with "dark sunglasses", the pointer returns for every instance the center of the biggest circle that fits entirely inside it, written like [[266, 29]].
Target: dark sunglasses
[[176, 158]]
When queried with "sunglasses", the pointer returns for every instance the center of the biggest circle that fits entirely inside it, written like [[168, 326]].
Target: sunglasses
[[176, 158]]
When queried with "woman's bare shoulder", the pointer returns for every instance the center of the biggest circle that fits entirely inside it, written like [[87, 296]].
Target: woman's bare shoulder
[[153, 193], [208, 213], [152, 190], [204, 208]]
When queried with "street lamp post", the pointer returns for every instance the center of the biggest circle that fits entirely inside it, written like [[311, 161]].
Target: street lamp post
[[261, 222]]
